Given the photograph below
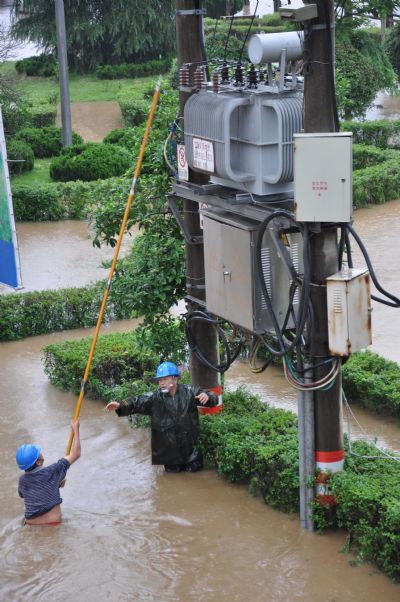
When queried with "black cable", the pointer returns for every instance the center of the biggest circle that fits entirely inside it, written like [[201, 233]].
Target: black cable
[[396, 300], [228, 36], [248, 31], [305, 288], [198, 6], [201, 316], [331, 62]]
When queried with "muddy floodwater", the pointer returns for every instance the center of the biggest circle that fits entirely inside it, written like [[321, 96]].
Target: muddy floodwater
[[132, 532]]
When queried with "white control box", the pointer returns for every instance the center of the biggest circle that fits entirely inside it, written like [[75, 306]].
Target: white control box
[[349, 311], [323, 188]]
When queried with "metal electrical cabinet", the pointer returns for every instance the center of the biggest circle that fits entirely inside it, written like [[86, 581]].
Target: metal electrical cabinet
[[349, 311], [323, 167], [233, 289]]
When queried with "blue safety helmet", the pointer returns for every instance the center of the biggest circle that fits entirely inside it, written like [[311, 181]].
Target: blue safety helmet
[[27, 456], [167, 369]]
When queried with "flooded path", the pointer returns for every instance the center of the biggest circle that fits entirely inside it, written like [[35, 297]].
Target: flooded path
[[132, 532]]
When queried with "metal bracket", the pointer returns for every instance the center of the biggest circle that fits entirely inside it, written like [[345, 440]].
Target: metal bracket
[[189, 238], [192, 11]]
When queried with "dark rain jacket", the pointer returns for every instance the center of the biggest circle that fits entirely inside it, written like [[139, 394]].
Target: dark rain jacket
[[174, 421]]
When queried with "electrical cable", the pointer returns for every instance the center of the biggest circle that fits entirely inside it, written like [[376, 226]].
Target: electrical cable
[[248, 31], [201, 316], [305, 284], [228, 36], [395, 300], [198, 6]]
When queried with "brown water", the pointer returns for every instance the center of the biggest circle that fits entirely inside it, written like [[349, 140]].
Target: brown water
[[132, 532]]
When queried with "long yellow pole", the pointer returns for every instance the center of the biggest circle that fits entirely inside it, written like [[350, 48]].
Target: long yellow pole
[[115, 259]]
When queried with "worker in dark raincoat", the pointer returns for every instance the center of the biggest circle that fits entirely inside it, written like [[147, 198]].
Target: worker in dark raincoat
[[174, 419]]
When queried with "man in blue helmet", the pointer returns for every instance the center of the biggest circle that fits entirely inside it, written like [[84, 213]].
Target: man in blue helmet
[[39, 485], [174, 419]]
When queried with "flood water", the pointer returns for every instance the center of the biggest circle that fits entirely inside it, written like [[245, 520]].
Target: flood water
[[131, 531]]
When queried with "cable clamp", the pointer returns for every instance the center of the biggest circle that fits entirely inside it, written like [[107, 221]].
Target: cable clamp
[[192, 11]]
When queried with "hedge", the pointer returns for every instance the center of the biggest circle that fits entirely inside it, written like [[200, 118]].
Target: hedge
[[381, 133], [251, 442], [44, 65], [366, 156], [41, 312], [50, 202], [377, 184], [373, 381], [20, 157], [45, 141], [90, 161], [132, 70]]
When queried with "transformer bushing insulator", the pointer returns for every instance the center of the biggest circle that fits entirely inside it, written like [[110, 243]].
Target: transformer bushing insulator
[[225, 74], [215, 82], [252, 79], [199, 78], [184, 76], [239, 74]]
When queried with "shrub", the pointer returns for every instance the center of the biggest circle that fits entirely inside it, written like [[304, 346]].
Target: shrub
[[373, 381], [41, 312], [366, 156], [377, 184], [44, 65], [134, 112], [41, 116], [127, 138], [45, 141], [50, 202], [89, 162], [380, 133], [20, 157], [132, 70]]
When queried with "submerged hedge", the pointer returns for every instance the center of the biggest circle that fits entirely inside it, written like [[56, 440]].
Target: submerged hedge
[[252, 442]]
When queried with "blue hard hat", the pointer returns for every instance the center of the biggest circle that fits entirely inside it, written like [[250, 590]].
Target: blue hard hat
[[27, 455], [167, 369]]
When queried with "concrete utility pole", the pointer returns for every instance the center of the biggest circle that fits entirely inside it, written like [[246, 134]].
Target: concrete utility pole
[[189, 48], [63, 68], [320, 115]]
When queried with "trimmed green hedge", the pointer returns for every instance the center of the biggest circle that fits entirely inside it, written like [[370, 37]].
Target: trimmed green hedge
[[50, 202], [373, 381], [41, 312], [44, 65], [45, 141], [366, 156], [381, 133], [20, 157], [377, 184], [90, 161], [132, 70]]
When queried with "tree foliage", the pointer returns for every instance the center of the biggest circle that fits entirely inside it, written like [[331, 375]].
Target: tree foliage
[[218, 8], [100, 31]]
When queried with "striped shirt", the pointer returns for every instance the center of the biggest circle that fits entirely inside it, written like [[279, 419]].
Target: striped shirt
[[40, 488]]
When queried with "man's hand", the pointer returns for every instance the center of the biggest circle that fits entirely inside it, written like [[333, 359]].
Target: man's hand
[[62, 483], [113, 405], [203, 398]]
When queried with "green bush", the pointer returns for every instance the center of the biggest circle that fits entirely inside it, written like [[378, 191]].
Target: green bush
[[377, 184], [41, 116], [134, 112], [50, 202], [127, 138], [381, 133], [89, 161], [366, 156], [132, 70], [373, 381], [20, 157], [41, 312], [44, 65], [45, 141]]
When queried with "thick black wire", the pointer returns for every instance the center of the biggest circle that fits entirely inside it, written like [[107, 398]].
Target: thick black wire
[[201, 316], [198, 5], [396, 300], [305, 289], [228, 36], [248, 31], [331, 66]]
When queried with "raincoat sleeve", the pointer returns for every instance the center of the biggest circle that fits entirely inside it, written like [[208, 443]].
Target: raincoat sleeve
[[212, 397], [142, 404]]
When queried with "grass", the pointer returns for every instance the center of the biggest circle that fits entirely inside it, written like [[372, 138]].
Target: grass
[[38, 175], [81, 87]]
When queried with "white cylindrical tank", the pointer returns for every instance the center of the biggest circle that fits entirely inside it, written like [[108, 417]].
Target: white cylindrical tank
[[267, 47]]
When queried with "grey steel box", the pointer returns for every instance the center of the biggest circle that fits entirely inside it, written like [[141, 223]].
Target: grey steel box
[[349, 311], [233, 289]]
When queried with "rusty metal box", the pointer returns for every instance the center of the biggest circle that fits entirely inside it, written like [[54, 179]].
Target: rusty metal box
[[349, 311]]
